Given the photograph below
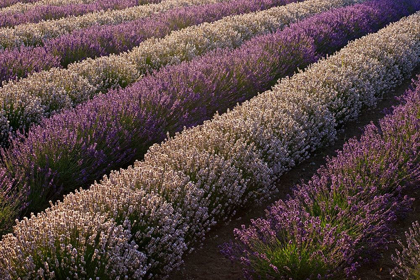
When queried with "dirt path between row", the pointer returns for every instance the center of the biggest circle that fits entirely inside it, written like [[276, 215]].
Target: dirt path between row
[[207, 263]]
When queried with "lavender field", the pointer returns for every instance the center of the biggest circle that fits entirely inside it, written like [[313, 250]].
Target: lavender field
[[131, 131]]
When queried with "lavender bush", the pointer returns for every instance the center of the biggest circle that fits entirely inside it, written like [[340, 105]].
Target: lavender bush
[[189, 171], [76, 147], [343, 214], [113, 39], [22, 61]]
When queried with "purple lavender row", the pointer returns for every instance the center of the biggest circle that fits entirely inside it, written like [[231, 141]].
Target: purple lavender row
[[6, 3], [78, 146], [343, 216], [113, 39], [48, 12]]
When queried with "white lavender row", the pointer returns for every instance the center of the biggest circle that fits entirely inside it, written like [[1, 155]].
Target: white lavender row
[[205, 173], [29, 100], [33, 34]]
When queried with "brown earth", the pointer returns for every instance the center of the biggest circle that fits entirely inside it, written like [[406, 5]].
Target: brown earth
[[207, 263]]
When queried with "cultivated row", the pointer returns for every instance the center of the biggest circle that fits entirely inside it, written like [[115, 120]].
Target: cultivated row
[[78, 146], [138, 222], [29, 100], [33, 34], [345, 213], [113, 39]]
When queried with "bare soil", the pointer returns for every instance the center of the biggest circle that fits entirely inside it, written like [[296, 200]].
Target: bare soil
[[207, 263]]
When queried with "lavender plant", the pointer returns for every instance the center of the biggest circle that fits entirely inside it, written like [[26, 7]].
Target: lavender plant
[[407, 260], [76, 147], [20, 62], [100, 244]]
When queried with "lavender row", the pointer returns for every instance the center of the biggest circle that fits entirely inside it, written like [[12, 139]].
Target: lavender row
[[149, 215], [33, 34], [78, 146], [29, 100], [104, 40], [47, 12], [344, 214]]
